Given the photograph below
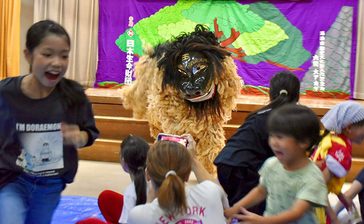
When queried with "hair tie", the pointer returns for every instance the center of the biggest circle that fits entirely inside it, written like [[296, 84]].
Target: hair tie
[[140, 168], [283, 91], [171, 172]]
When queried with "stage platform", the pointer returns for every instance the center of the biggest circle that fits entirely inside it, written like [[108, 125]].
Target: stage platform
[[115, 123]]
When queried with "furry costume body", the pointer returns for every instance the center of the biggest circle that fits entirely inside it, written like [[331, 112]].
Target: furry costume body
[[151, 97]]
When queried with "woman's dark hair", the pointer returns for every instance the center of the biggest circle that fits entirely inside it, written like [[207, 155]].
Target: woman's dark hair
[[134, 151], [297, 121], [284, 88], [71, 91]]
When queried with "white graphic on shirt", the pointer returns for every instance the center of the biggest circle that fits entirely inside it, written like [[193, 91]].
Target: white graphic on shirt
[[193, 216], [189, 221], [339, 155], [42, 151]]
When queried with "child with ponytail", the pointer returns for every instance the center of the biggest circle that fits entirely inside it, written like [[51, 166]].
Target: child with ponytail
[[114, 206], [169, 165], [133, 157]]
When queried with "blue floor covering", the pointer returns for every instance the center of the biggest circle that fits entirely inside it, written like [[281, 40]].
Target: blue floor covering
[[74, 208]]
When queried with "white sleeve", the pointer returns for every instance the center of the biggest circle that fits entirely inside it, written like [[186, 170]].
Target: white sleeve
[[224, 199], [136, 216], [129, 203]]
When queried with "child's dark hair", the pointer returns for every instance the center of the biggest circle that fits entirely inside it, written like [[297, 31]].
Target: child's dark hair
[[297, 121], [134, 151], [39, 30], [284, 88], [358, 124], [72, 92]]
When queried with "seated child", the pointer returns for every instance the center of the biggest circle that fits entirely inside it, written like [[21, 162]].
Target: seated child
[[290, 182], [116, 207], [169, 165], [344, 125]]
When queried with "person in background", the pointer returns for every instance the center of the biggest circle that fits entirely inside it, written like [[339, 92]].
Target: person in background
[[47, 108], [133, 156], [115, 207], [245, 152], [356, 189], [290, 182], [169, 165], [344, 125]]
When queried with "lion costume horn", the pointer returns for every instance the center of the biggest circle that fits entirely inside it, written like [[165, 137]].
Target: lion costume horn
[[186, 85]]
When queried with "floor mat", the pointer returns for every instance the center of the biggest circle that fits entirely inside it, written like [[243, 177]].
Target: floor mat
[[74, 208]]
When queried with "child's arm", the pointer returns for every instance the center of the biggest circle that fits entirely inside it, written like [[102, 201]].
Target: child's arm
[[255, 196], [198, 169], [201, 173], [299, 208], [350, 194], [327, 175]]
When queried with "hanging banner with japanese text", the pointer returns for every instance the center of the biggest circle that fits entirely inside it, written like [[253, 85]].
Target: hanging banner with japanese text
[[314, 39]]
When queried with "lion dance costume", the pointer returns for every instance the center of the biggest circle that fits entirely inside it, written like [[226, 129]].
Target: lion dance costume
[[187, 85]]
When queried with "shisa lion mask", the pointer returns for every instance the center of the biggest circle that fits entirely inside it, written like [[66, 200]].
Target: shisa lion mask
[[194, 78], [192, 64], [186, 85]]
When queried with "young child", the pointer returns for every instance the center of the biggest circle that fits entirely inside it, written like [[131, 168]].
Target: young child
[[291, 183], [134, 152], [344, 125], [169, 165], [48, 110], [116, 207]]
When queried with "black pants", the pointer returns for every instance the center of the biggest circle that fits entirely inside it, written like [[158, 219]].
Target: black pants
[[237, 182]]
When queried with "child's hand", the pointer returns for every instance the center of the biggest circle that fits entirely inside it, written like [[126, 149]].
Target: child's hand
[[191, 144], [347, 202], [229, 212], [72, 135], [247, 217]]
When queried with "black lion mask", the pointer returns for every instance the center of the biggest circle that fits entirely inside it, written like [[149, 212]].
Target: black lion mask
[[191, 62]]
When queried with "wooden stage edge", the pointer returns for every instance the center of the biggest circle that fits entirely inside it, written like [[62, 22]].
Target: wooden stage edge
[[115, 123], [244, 102]]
